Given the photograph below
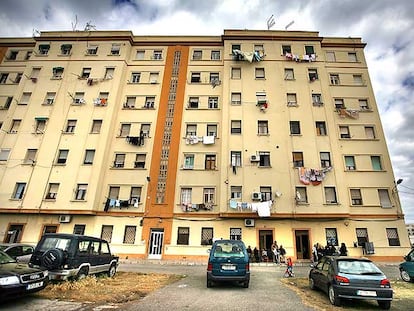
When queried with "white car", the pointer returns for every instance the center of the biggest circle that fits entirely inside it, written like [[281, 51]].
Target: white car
[[20, 252]]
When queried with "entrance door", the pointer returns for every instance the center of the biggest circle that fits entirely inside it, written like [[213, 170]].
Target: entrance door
[[155, 244], [266, 240], [302, 244]]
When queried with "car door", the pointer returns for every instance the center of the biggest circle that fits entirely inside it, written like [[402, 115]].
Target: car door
[[324, 280], [409, 264], [94, 257], [105, 256], [317, 273]]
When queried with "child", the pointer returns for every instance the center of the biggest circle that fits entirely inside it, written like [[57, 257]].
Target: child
[[289, 269]]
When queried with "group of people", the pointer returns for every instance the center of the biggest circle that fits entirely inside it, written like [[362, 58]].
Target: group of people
[[275, 254], [318, 251]]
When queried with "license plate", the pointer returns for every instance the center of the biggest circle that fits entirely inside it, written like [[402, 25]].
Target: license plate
[[228, 267], [367, 293], [34, 285]]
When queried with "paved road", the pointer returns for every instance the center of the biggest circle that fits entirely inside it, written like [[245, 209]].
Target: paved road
[[266, 292]]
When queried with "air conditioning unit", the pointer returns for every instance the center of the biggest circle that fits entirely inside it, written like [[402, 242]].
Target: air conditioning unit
[[256, 196], [254, 158], [65, 218], [249, 222]]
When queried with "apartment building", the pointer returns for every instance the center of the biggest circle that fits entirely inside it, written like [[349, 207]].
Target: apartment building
[[161, 144]]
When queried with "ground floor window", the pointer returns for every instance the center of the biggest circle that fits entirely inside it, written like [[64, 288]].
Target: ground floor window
[[129, 234], [106, 233], [392, 235], [331, 236], [206, 236], [183, 235], [235, 234], [79, 229]]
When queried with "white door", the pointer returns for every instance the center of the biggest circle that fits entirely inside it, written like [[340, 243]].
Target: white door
[[155, 244]]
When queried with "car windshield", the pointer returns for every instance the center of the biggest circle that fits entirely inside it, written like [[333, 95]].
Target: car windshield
[[358, 267], [55, 242], [228, 249], [4, 258]]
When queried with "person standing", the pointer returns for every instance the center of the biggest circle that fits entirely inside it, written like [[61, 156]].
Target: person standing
[[314, 253], [343, 250], [282, 253]]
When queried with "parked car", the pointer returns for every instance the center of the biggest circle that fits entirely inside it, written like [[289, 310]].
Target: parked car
[[351, 278], [17, 279], [73, 256], [407, 267], [20, 252], [228, 261]]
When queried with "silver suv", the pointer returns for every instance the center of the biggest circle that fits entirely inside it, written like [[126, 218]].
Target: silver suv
[[73, 256]]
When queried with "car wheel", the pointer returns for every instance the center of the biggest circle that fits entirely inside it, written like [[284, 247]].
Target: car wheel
[[405, 276], [312, 283], [52, 258], [385, 305], [209, 283], [333, 298], [246, 284], [83, 273], [112, 271]]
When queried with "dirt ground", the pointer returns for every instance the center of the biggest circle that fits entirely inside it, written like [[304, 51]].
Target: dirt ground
[[124, 287], [403, 298]]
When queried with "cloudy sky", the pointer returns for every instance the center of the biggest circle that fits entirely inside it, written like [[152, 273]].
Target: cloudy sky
[[387, 26]]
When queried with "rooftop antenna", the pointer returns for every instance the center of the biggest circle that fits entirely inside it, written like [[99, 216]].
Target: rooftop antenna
[[35, 33], [89, 26], [74, 24], [270, 22], [288, 25]]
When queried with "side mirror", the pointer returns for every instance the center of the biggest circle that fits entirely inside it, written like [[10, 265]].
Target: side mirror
[[312, 265], [208, 251], [405, 258]]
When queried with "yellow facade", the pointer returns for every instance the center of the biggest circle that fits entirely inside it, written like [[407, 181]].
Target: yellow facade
[[162, 144]]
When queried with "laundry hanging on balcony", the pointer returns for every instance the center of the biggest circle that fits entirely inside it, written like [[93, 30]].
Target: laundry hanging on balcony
[[255, 56], [302, 58], [312, 176], [350, 113]]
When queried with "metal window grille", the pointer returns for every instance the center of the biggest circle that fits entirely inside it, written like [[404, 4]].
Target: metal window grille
[[235, 233], [207, 236], [129, 236], [362, 236], [331, 236], [183, 235], [106, 233]]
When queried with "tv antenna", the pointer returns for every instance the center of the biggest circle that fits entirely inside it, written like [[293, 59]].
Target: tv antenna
[[288, 25], [74, 24], [270, 22], [89, 26]]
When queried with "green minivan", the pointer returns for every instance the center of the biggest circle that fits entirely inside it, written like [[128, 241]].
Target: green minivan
[[407, 267], [228, 261]]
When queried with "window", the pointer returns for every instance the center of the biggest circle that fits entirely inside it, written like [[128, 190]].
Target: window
[[44, 49], [52, 191], [4, 154], [264, 159], [91, 50], [125, 129], [215, 55], [35, 74], [358, 80], [309, 50], [330, 56], [109, 73], [70, 126], [392, 236], [14, 233], [102, 99], [28, 54], [317, 99], [384, 198], [19, 191], [157, 54], [15, 126], [183, 235], [212, 130], [86, 72], [258, 48], [96, 126], [81, 191], [259, 73], [140, 160], [62, 156], [236, 192], [191, 130], [57, 72], [79, 229], [331, 236], [119, 160], [140, 55], [3, 78], [40, 125], [320, 128], [65, 49], [294, 127], [213, 102], [24, 100], [291, 99], [235, 234], [12, 55], [325, 159], [298, 159], [330, 195], [153, 78], [363, 104], [344, 132], [193, 102], [78, 98], [49, 229], [18, 78], [30, 157], [350, 163], [129, 234], [369, 132], [206, 236], [186, 196], [352, 57], [286, 49], [301, 195], [356, 197], [106, 233], [376, 163], [236, 73], [289, 74], [235, 127], [145, 129], [195, 77], [266, 193], [262, 127], [135, 77], [89, 155], [7, 103], [208, 195], [197, 55], [149, 102], [210, 162], [130, 102], [334, 79], [313, 74], [362, 236], [50, 98], [236, 98], [113, 192], [189, 161], [135, 196], [235, 158], [115, 49]]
